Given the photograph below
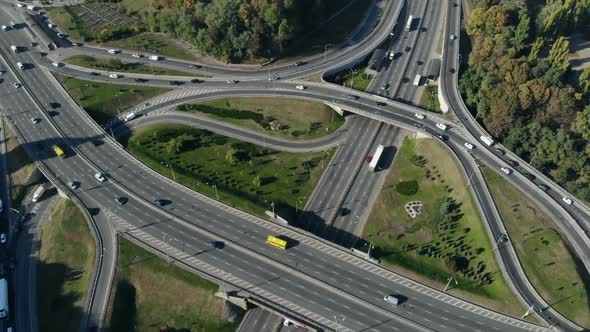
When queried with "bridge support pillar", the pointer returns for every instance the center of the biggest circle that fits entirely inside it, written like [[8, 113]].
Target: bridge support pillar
[[336, 108]]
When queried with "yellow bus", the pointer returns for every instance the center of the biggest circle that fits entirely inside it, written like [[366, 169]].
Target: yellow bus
[[59, 152], [276, 242]]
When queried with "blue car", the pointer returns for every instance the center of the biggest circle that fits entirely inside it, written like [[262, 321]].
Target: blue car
[[217, 244], [159, 202]]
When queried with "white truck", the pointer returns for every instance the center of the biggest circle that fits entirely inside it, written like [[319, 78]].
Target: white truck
[[488, 140], [376, 156], [154, 57], [38, 193], [391, 54], [417, 79], [14, 48], [409, 24]]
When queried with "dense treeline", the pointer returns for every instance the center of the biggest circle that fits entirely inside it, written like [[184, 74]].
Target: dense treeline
[[234, 30], [519, 84]]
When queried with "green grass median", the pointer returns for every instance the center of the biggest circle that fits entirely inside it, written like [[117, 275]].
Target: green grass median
[[244, 175], [154, 295], [283, 117], [547, 258], [447, 238], [105, 100], [66, 263]]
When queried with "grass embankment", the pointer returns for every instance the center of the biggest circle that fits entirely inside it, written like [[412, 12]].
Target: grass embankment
[[121, 66], [19, 165], [549, 263], [247, 176], [446, 239], [289, 118], [66, 262], [429, 99], [153, 43], [153, 295], [357, 78], [104, 100], [68, 21]]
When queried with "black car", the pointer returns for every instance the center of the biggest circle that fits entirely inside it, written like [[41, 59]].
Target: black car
[[299, 63], [140, 80], [442, 137], [93, 73], [352, 97], [500, 151], [217, 244], [543, 187], [408, 48], [380, 103], [529, 176], [121, 200], [196, 80], [512, 163], [176, 83]]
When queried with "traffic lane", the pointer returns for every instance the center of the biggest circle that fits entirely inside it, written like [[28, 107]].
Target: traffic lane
[[318, 63], [427, 41], [267, 276], [336, 185], [185, 214], [511, 263], [241, 133]]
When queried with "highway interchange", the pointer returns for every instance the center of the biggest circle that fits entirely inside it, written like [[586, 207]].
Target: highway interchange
[[315, 280]]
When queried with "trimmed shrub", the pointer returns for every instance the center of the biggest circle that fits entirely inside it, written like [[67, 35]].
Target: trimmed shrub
[[407, 188]]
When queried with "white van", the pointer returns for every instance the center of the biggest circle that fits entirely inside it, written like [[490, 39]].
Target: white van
[[31, 7], [130, 116], [488, 140], [154, 57], [391, 299], [441, 126]]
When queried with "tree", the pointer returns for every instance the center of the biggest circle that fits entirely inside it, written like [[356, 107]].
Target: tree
[[584, 80], [559, 55], [257, 181], [230, 156], [445, 207], [407, 188], [487, 22], [174, 145], [521, 34], [582, 123], [537, 46]]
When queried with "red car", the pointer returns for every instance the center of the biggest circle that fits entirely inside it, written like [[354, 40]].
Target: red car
[[451, 70]]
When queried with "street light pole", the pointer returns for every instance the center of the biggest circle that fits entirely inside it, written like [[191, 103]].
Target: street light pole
[[326, 50], [449, 282]]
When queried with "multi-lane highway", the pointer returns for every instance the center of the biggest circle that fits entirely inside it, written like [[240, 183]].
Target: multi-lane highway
[[312, 279]]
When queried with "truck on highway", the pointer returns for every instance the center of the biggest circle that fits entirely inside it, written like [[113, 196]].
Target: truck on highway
[[488, 140], [3, 298], [417, 79], [38, 193], [376, 156], [276, 242], [154, 57], [58, 151], [409, 24]]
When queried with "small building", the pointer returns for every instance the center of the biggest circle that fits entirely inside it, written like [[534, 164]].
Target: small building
[[376, 61]]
